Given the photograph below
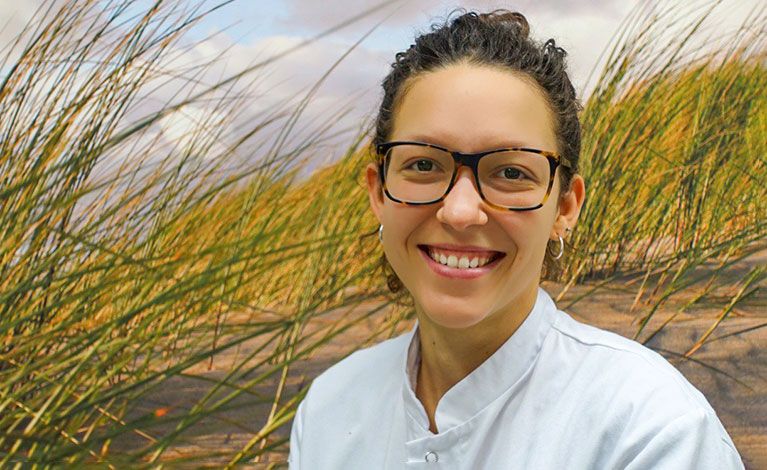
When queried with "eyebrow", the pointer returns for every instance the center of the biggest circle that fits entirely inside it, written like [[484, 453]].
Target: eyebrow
[[431, 139]]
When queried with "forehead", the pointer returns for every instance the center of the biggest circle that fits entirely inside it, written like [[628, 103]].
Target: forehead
[[470, 108]]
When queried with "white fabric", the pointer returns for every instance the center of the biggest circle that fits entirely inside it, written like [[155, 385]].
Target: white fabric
[[557, 394]]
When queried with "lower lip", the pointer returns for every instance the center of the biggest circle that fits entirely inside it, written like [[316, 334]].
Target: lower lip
[[458, 273]]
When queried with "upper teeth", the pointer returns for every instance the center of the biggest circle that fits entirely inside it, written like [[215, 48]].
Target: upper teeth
[[454, 261]]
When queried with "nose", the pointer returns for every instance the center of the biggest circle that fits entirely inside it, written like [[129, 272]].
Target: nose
[[463, 206]]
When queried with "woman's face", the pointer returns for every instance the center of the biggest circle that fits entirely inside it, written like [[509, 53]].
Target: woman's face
[[470, 108]]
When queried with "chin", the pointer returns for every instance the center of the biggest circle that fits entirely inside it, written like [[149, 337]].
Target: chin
[[454, 314]]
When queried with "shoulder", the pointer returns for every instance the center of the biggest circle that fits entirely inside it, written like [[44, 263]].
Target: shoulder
[[346, 406], [361, 376], [646, 410], [622, 365]]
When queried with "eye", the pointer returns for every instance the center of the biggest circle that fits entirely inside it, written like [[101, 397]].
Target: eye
[[512, 173], [422, 165]]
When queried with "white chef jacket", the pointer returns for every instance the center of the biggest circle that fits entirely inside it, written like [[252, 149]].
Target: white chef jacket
[[558, 394]]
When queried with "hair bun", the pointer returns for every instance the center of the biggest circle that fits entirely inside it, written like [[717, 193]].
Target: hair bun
[[510, 18]]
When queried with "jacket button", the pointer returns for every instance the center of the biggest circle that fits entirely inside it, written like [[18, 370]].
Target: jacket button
[[432, 457]]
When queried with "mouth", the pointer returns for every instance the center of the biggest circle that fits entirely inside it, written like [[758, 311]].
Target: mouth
[[461, 258]]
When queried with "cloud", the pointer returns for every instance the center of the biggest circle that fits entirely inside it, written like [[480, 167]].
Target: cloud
[[17, 18], [312, 15], [274, 89], [309, 15], [191, 67], [582, 28], [13, 17]]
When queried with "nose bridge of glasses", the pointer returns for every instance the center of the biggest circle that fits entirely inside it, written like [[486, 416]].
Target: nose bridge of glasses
[[469, 161]]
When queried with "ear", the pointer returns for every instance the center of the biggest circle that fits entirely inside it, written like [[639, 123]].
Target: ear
[[375, 191], [570, 205]]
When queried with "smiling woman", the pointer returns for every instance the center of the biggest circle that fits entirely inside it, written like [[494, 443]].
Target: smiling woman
[[477, 142]]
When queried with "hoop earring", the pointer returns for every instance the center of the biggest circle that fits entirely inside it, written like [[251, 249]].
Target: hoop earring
[[380, 233], [561, 248]]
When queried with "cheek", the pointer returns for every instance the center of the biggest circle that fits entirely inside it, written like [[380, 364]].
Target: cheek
[[526, 227], [400, 223], [528, 232]]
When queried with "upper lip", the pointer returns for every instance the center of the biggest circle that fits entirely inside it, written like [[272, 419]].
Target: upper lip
[[450, 246]]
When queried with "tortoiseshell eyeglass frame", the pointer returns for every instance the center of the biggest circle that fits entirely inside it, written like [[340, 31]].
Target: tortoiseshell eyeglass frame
[[470, 160]]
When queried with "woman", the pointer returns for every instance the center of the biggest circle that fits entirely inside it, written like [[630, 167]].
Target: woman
[[478, 140]]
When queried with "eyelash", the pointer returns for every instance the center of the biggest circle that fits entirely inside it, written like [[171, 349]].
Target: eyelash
[[421, 160], [521, 172], [411, 165]]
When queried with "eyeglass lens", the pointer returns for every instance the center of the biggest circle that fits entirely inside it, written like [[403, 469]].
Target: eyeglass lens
[[513, 179]]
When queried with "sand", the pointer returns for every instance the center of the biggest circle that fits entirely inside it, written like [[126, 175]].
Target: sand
[[731, 372]]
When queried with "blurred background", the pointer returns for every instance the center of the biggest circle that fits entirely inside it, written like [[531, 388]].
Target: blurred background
[[185, 241], [240, 34]]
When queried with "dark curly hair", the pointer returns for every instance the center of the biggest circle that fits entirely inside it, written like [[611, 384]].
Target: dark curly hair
[[498, 39]]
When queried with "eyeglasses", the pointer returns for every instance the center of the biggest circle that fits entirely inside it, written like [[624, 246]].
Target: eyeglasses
[[517, 178]]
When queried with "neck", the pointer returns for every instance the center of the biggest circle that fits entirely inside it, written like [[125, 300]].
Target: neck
[[448, 355]]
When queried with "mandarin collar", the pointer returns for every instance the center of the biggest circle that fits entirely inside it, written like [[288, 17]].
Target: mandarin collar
[[488, 381]]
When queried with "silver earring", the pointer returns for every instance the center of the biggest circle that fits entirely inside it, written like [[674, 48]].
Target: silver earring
[[380, 233], [561, 248]]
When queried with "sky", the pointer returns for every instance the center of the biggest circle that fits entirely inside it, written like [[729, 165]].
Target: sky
[[246, 31], [583, 28]]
